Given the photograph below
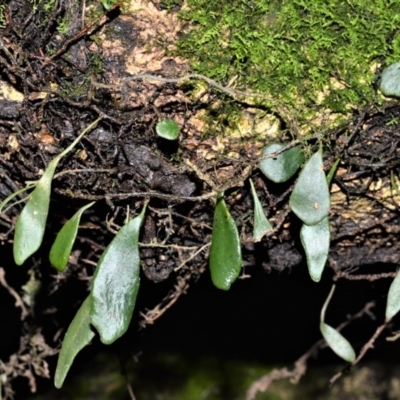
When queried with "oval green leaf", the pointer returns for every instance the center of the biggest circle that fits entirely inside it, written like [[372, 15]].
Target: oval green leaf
[[337, 342], [77, 337], [310, 199], [225, 252], [62, 246], [393, 300], [390, 81], [168, 129], [315, 240], [261, 223], [284, 166], [116, 283], [31, 223]]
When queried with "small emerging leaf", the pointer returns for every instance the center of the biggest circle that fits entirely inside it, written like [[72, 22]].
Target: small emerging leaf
[[310, 199], [65, 239], [390, 81], [284, 166], [261, 223], [332, 171], [77, 337], [168, 129], [225, 252], [393, 300], [315, 240], [116, 282], [337, 342]]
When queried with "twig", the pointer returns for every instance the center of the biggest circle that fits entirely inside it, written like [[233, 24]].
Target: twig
[[367, 346], [18, 300], [183, 263], [285, 113], [167, 302], [130, 390], [152, 315], [225, 89], [78, 170], [201, 175], [145, 195], [366, 277], [394, 337], [300, 366], [87, 30], [128, 384], [191, 220], [167, 246]]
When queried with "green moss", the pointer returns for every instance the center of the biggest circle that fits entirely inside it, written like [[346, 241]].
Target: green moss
[[311, 55], [2, 16], [46, 5]]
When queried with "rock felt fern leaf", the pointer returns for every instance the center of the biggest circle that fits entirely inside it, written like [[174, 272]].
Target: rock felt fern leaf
[[390, 82], [315, 240], [31, 223], [116, 283], [393, 300], [261, 223], [168, 129], [65, 239], [310, 199], [337, 342], [284, 166], [77, 337], [225, 253]]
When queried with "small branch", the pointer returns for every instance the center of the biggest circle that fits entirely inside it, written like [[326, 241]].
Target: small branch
[[368, 346], [300, 366], [394, 337], [180, 288], [183, 263], [145, 195], [86, 31], [168, 246], [366, 277], [201, 175], [283, 110], [18, 300], [83, 170]]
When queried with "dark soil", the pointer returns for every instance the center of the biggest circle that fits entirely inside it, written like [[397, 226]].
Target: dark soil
[[66, 83]]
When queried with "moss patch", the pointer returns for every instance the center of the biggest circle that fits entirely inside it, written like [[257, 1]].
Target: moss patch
[[314, 56]]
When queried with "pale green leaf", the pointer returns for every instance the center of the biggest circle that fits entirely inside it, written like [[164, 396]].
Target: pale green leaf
[[168, 129], [310, 199], [77, 337], [390, 81], [261, 223], [337, 342], [284, 166], [315, 240], [31, 223], [225, 252], [62, 246], [116, 282], [393, 300]]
